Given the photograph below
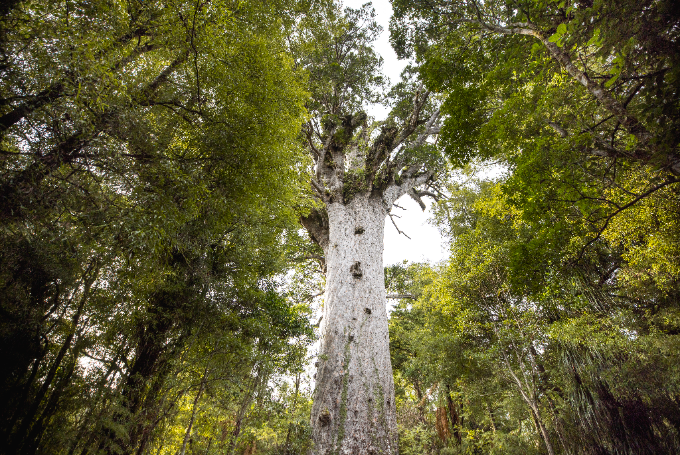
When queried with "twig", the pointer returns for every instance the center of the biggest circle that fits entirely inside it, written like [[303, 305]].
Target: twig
[[396, 227], [401, 296]]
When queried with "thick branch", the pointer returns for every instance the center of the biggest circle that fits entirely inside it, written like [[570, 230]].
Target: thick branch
[[416, 197], [414, 120], [330, 160], [603, 149], [559, 129], [163, 77], [430, 128], [308, 135], [605, 98], [68, 149], [395, 191], [48, 95], [320, 190], [57, 89], [421, 193]]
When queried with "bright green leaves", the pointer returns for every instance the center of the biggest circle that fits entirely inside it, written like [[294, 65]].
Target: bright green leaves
[[558, 36], [460, 130], [616, 70], [567, 264], [595, 40], [648, 234], [159, 147], [511, 323]]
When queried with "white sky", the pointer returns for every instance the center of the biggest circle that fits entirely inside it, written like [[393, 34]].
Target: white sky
[[426, 242]]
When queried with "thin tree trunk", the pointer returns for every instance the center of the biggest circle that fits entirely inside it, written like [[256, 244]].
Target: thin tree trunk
[[187, 434], [242, 412], [293, 408], [533, 407], [151, 411], [20, 406], [442, 424], [38, 429], [538, 365], [87, 419], [455, 416], [354, 410], [19, 438], [491, 418]]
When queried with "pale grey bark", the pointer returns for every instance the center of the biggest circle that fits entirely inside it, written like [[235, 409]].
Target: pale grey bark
[[356, 179], [354, 409]]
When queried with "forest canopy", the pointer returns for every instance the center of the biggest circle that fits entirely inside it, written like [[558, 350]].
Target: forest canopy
[[554, 325], [150, 171]]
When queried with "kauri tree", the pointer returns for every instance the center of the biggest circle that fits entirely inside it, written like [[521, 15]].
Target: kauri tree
[[360, 169]]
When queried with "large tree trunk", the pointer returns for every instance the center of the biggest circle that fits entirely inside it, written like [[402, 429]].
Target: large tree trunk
[[354, 409]]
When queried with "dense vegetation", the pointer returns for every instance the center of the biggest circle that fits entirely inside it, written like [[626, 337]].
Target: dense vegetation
[[148, 205], [154, 294], [554, 327]]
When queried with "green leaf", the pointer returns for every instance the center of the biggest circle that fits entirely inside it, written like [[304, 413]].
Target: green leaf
[[595, 39], [557, 36]]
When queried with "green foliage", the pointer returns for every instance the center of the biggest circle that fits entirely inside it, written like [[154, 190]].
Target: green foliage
[[579, 160], [564, 274], [149, 173], [521, 334], [335, 46]]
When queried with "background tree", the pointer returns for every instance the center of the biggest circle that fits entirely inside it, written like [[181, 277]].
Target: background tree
[[578, 102], [530, 364], [149, 165], [579, 107]]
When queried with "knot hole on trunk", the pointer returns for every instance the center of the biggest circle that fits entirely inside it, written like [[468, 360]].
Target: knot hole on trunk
[[359, 230], [325, 418], [355, 270]]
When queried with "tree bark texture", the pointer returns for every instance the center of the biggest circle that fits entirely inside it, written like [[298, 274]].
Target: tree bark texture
[[354, 410], [357, 177]]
